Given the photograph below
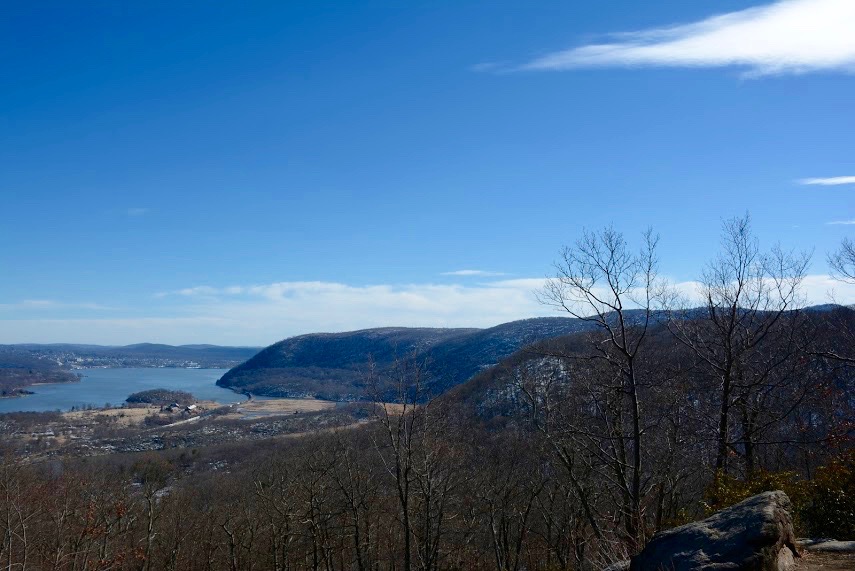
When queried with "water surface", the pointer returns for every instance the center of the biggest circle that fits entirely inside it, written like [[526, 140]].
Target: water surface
[[102, 386]]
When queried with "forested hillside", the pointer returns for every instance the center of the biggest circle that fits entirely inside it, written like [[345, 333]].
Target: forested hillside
[[20, 369], [331, 365], [335, 366]]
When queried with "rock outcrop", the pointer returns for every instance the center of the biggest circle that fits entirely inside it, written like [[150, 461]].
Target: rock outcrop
[[754, 535], [828, 545]]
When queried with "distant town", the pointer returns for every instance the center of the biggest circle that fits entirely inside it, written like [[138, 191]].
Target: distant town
[[150, 355], [72, 360]]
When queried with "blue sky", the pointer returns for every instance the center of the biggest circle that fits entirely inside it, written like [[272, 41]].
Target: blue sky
[[184, 172]]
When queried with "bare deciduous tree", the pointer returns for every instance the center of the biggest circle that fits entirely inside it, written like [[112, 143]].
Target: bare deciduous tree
[[601, 280], [749, 303], [842, 261], [397, 443]]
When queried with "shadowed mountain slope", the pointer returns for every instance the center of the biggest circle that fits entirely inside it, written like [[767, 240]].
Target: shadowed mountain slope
[[334, 365], [492, 394]]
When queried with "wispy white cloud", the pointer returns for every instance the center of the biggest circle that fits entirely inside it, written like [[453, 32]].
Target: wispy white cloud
[[829, 181], [49, 304], [530, 284], [466, 273], [197, 291], [815, 289], [341, 305], [263, 313], [259, 314], [841, 222], [784, 37], [119, 331], [137, 211], [37, 303], [488, 66]]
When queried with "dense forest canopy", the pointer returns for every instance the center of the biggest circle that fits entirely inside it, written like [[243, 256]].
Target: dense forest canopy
[[161, 397]]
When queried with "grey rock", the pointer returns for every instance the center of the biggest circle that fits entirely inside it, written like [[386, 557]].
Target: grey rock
[[828, 545], [754, 535]]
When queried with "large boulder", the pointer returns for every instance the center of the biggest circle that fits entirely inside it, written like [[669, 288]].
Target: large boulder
[[754, 535]]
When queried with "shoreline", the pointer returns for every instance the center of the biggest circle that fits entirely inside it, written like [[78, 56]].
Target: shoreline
[[18, 393], [100, 388], [23, 392]]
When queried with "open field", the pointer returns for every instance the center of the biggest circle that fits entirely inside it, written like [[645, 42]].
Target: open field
[[152, 427], [135, 416], [119, 416], [130, 415], [255, 408]]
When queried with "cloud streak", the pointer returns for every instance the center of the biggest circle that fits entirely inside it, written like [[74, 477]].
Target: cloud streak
[[785, 37], [468, 273], [316, 306], [829, 181], [841, 223], [261, 314], [49, 304]]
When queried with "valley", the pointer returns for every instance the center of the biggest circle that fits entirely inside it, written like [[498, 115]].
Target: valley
[[519, 447]]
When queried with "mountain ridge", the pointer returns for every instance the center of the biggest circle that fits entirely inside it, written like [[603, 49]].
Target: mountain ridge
[[333, 366]]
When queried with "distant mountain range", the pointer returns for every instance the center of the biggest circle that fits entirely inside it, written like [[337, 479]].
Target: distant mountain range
[[30, 363], [334, 366]]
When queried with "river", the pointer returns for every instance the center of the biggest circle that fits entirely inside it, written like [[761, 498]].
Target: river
[[102, 386]]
